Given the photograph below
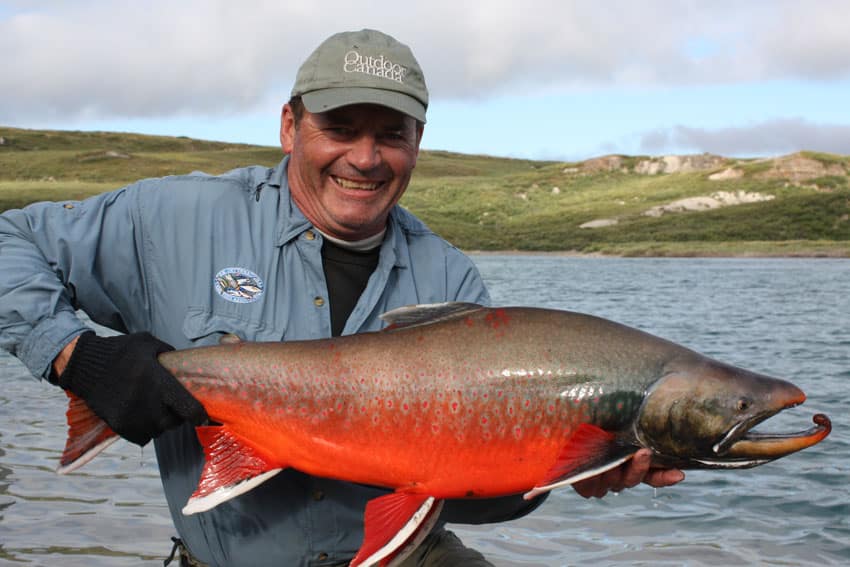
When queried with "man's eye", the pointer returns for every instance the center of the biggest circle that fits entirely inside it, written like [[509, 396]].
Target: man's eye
[[339, 130]]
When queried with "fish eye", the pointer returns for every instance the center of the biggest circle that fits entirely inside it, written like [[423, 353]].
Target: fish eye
[[743, 404]]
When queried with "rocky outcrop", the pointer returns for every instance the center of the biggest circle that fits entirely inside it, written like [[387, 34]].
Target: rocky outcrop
[[727, 174], [707, 202], [599, 223], [603, 163], [798, 168], [649, 166], [680, 164]]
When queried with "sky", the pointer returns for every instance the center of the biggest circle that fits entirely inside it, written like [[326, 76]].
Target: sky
[[560, 80]]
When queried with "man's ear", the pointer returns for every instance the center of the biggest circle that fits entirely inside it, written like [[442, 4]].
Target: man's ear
[[420, 129], [287, 129]]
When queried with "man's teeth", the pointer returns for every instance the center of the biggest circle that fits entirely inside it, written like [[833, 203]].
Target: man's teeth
[[362, 185]]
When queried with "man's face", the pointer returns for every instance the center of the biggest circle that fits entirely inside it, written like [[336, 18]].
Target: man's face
[[349, 166]]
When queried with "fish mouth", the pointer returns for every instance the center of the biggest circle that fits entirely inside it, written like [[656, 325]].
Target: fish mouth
[[743, 448]]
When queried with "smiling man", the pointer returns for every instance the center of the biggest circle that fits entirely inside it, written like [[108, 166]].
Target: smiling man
[[349, 166], [312, 248]]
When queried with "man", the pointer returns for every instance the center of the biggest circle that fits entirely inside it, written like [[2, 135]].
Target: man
[[311, 248]]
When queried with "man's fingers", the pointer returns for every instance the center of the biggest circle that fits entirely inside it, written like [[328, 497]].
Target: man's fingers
[[589, 488], [180, 401], [633, 472], [635, 469], [663, 477]]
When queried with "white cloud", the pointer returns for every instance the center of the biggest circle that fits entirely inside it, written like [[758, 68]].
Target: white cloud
[[100, 58]]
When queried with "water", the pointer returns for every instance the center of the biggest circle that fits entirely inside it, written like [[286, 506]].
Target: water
[[788, 318]]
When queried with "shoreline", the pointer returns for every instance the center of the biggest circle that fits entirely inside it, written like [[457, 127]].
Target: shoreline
[[574, 254]]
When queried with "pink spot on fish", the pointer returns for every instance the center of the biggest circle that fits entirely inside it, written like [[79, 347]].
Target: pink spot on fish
[[497, 318]]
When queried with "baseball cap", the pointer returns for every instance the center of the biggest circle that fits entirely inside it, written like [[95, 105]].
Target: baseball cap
[[362, 67]]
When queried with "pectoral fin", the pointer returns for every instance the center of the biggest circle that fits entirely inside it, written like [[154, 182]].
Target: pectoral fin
[[231, 467], [394, 525], [588, 452]]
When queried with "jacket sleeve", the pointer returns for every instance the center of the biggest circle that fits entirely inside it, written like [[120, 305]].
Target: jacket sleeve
[[59, 257], [463, 282]]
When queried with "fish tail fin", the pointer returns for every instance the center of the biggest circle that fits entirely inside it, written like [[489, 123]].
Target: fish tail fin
[[88, 435], [395, 525], [232, 466]]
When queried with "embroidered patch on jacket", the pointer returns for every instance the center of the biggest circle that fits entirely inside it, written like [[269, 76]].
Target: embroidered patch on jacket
[[238, 285]]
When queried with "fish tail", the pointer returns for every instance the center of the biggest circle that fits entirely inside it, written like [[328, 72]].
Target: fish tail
[[88, 435]]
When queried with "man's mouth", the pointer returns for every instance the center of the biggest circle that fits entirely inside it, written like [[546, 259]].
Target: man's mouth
[[357, 185]]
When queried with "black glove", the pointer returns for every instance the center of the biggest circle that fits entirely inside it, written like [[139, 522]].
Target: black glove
[[121, 381]]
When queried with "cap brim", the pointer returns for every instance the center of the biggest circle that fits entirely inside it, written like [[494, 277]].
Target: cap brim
[[324, 100]]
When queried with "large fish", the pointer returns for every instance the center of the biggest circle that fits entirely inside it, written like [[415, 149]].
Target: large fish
[[461, 401]]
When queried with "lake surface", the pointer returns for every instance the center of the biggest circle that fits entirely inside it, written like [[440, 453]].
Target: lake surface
[[787, 318]]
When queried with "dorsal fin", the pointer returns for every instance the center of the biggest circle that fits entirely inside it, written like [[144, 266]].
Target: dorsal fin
[[426, 314]]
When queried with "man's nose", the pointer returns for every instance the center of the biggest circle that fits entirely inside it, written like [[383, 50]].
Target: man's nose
[[365, 154]]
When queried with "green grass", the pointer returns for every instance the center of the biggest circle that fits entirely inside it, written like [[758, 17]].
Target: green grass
[[484, 202]]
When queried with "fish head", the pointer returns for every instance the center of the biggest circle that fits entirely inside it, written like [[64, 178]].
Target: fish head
[[701, 412]]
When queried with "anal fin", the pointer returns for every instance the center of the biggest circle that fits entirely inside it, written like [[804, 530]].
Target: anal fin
[[589, 451], [231, 467], [394, 525]]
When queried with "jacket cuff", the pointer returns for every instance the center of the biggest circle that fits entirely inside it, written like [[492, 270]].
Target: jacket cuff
[[47, 339]]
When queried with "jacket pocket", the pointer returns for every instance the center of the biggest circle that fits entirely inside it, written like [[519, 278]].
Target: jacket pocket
[[203, 326]]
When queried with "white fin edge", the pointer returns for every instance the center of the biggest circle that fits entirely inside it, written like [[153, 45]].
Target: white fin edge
[[421, 534], [719, 464], [538, 490], [87, 456], [405, 532], [225, 493]]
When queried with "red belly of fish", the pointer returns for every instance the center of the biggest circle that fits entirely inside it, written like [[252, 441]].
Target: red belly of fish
[[442, 447]]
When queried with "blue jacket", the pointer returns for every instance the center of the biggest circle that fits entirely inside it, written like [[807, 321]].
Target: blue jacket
[[154, 256]]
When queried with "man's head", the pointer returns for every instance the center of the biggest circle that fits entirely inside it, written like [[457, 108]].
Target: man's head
[[352, 129]]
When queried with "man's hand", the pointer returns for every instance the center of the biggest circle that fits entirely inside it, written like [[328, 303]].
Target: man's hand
[[629, 474], [123, 383]]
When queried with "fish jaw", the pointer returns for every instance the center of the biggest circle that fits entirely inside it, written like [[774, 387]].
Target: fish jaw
[[753, 449], [712, 426]]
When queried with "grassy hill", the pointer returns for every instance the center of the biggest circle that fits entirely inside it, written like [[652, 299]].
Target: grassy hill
[[629, 205]]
